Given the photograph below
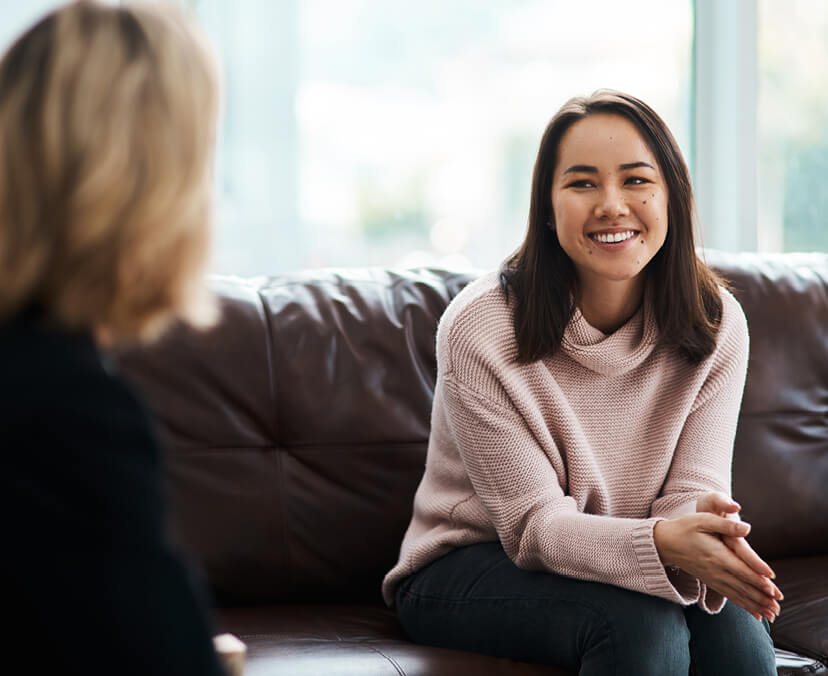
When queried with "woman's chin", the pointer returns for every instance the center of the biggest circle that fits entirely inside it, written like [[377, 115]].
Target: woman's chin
[[617, 273]]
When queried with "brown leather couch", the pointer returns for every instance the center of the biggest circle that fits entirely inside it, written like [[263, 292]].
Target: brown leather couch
[[297, 436]]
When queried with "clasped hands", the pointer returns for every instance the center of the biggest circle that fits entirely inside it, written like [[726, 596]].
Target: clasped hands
[[710, 545]]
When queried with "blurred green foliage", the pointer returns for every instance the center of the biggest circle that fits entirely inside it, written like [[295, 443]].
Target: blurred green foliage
[[806, 199], [388, 214]]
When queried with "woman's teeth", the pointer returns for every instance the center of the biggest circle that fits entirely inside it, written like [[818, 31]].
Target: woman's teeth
[[608, 238]]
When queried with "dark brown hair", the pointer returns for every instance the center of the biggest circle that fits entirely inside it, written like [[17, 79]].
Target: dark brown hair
[[542, 281]]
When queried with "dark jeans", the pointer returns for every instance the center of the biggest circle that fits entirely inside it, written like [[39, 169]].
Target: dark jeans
[[475, 598]]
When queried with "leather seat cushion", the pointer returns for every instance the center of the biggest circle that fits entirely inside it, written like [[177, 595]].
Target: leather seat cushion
[[802, 626], [358, 640], [369, 641]]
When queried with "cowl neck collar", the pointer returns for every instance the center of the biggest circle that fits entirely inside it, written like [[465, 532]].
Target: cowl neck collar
[[615, 353]]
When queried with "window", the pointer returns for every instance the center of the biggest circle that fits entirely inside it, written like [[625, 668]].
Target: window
[[362, 132], [384, 132], [793, 125], [16, 16]]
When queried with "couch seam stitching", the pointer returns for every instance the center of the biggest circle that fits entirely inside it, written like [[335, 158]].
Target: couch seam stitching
[[387, 657], [269, 352], [280, 465]]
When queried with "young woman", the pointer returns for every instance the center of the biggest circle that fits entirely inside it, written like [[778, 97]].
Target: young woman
[[575, 506], [107, 121]]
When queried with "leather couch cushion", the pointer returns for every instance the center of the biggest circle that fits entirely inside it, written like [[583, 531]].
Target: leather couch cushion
[[297, 429], [304, 640], [780, 468], [363, 641], [802, 626]]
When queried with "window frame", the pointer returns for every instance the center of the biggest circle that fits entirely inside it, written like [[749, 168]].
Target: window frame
[[725, 140]]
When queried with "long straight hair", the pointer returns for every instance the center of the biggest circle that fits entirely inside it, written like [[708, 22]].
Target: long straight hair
[[541, 279]]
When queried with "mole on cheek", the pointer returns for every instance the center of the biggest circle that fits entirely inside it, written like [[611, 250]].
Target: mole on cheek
[[643, 201]]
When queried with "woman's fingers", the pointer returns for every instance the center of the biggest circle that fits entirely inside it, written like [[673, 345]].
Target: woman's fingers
[[745, 573], [743, 593], [699, 546], [723, 526], [750, 584], [744, 551], [720, 566], [747, 591], [734, 595], [729, 510]]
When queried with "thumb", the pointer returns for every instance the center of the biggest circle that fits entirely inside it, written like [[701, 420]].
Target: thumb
[[717, 503]]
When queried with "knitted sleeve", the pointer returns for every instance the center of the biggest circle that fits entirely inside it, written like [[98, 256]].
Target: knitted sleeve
[[704, 453], [539, 526]]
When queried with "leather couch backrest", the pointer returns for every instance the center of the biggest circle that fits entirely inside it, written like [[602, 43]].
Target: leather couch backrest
[[780, 468], [296, 430]]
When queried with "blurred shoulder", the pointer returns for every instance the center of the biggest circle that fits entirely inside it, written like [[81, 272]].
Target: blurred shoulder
[[58, 380]]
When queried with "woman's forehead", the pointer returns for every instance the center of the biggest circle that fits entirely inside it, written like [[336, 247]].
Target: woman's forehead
[[603, 140]]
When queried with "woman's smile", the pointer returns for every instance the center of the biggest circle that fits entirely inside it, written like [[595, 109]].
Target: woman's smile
[[613, 239]]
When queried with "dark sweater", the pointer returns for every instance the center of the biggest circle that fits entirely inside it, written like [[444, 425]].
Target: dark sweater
[[91, 584]]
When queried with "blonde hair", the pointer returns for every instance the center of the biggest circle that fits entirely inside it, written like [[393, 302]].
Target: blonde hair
[[107, 127]]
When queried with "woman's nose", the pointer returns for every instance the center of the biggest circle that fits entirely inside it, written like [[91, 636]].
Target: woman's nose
[[611, 204]]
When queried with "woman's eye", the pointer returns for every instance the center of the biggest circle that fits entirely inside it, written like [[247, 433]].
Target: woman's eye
[[583, 183], [637, 180]]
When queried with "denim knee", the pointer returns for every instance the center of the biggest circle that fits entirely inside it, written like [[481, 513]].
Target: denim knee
[[648, 636], [731, 642]]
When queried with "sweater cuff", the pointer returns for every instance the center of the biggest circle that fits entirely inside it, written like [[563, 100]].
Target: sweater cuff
[[710, 601], [687, 585], [656, 580]]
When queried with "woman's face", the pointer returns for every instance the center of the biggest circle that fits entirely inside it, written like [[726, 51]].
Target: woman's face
[[609, 199]]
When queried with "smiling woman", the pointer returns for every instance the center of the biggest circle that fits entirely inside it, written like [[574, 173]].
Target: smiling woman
[[578, 470], [608, 199], [609, 165]]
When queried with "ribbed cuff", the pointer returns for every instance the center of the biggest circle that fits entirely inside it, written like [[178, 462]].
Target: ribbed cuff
[[687, 585], [710, 601], [655, 577]]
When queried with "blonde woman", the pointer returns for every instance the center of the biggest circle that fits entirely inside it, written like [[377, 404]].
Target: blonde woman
[[107, 121]]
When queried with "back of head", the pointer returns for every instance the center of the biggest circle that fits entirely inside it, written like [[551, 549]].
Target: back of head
[[107, 125]]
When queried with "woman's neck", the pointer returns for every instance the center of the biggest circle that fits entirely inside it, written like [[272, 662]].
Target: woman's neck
[[607, 305]]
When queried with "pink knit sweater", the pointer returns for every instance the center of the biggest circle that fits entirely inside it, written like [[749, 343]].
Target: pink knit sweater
[[571, 461]]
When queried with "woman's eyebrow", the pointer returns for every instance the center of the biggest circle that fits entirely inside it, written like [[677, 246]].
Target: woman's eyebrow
[[635, 165], [589, 169], [582, 168]]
